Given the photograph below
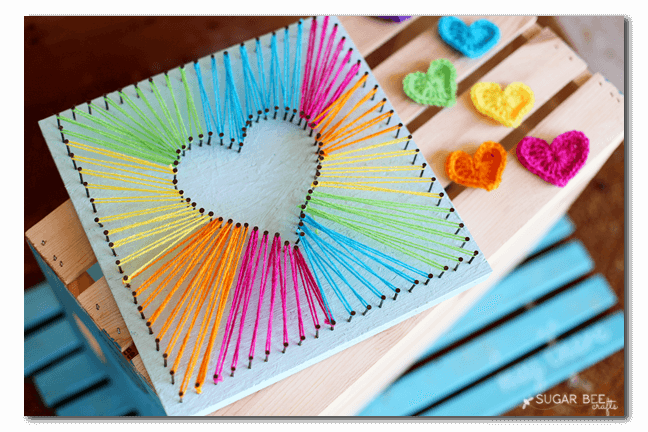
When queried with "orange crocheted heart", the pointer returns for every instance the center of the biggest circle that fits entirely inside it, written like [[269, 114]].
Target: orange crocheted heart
[[484, 170]]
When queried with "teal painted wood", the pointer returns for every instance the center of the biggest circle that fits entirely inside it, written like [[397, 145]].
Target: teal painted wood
[[539, 372], [49, 345], [67, 378], [494, 349], [95, 272], [41, 305], [77, 368], [528, 282], [561, 230]]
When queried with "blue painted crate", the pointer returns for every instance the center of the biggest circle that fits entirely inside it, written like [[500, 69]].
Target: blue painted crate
[[76, 367], [436, 385]]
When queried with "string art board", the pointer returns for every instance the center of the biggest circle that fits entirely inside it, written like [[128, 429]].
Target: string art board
[[258, 211]]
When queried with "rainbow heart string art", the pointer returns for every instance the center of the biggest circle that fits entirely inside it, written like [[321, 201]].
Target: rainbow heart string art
[[258, 211]]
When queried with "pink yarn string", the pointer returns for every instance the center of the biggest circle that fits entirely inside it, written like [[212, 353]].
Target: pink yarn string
[[309, 300], [345, 83], [283, 276], [326, 75], [265, 268], [229, 327], [307, 69], [311, 86], [321, 73], [296, 286], [249, 282], [274, 258], [310, 282], [320, 103]]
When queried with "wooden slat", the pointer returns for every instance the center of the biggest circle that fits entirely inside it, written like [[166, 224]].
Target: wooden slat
[[428, 46], [61, 242], [545, 63], [494, 217], [98, 301], [368, 33]]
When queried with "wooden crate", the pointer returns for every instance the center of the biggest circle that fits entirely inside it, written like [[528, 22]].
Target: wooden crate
[[505, 222]]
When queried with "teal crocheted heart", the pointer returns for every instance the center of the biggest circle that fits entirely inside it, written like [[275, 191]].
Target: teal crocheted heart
[[437, 87]]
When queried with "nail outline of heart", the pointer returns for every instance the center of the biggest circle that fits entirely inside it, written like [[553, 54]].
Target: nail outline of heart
[[490, 100], [562, 150], [480, 166], [448, 24], [449, 78]]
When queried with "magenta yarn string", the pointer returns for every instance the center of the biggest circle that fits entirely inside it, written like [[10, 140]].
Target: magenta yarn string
[[296, 286], [327, 74], [229, 327], [342, 86], [321, 73], [307, 69], [274, 259], [315, 290], [311, 86], [321, 100], [311, 306], [264, 245], [283, 276], [248, 284]]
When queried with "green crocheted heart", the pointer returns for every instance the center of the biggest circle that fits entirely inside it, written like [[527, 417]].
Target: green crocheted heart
[[436, 87]]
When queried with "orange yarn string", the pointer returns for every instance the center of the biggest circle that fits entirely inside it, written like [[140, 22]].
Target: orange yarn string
[[333, 134], [341, 146], [364, 126], [334, 128]]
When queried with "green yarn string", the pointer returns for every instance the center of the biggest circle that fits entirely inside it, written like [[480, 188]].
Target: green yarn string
[[193, 113], [175, 104], [384, 204]]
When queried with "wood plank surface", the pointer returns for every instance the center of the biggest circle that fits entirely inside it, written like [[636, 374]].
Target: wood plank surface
[[369, 33], [545, 63], [428, 46]]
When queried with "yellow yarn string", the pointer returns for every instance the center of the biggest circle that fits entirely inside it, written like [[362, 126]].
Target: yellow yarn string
[[116, 165], [205, 230], [371, 147], [116, 155], [341, 146], [119, 188], [352, 170], [155, 219], [171, 225], [159, 242], [119, 177], [367, 158], [226, 286], [141, 212], [339, 185], [143, 199]]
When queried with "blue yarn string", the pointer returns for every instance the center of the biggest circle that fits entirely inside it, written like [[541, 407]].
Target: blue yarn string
[[251, 85], [220, 124], [335, 254], [264, 96], [275, 73], [209, 115], [286, 68], [359, 262], [361, 247], [315, 264], [325, 257], [297, 69], [236, 110]]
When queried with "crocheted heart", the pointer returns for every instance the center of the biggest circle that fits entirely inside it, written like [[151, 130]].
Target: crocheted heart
[[507, 107], [555, 163], [484, 170], [472, 41], [436, 87]]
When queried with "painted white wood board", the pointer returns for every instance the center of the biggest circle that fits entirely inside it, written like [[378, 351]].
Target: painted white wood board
[[296, 149]]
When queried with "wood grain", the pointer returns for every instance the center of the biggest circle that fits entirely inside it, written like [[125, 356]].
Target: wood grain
[[371, 32]]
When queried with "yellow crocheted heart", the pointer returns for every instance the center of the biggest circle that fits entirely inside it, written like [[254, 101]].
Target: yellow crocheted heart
[[507, 107]]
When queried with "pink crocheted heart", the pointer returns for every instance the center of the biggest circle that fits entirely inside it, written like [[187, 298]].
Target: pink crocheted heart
[[556, 163]]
